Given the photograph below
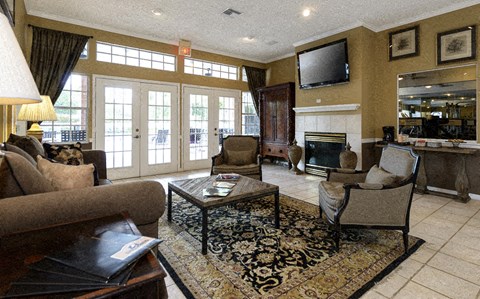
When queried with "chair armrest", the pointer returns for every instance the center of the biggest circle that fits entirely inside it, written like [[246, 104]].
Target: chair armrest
[[259, 159], [99, 158], [217, 159], [376, 207], [356, 177]]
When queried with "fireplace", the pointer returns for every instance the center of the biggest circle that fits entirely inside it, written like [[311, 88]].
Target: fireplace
[[322, 151]]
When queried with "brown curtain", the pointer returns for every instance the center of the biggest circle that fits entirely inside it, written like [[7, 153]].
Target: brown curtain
[[54, 56], [256, 78]]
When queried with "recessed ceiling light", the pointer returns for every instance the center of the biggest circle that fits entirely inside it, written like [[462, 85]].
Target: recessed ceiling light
[[157, 12], [248, 39], [428, 86], [306, 12]]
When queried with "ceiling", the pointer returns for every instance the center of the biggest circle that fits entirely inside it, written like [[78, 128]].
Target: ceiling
[[274, 27]]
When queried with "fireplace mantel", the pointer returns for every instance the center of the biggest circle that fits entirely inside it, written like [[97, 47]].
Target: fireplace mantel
[[327, 108]]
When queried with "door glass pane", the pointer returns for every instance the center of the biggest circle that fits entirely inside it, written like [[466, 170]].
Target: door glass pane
[[118, 127], [198, 127], [226, 117], [159, 127]]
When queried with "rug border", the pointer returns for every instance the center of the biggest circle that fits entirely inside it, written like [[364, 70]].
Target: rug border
[[186, 292], [368, 286]]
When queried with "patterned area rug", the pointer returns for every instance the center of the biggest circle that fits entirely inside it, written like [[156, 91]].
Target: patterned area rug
[[249, 258]]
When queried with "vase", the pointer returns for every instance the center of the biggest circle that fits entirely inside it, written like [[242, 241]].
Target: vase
[[295, 154], [348, 158]]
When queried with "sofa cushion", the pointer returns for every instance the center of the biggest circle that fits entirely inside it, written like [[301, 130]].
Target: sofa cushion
[[69, 154], [377, 175], [239, 157], [12, 148], [19, 177], [64, 177], [29, 144]]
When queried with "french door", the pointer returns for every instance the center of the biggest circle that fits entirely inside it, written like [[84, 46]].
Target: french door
[[208, 115], [136, 123]]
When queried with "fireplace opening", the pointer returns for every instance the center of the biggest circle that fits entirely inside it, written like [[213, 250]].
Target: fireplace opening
[[322, 151]]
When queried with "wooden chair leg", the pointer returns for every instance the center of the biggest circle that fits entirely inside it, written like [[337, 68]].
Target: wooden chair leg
[[337, 237]]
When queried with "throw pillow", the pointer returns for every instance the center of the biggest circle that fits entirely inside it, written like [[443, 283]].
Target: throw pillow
[[239, 157], [30, 145], [377, 175], [19, 177], [12, 148], [64, 177], [69, 154]]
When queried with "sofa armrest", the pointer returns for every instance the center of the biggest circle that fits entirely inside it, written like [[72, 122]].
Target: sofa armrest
[[99, 158], [143, 200]]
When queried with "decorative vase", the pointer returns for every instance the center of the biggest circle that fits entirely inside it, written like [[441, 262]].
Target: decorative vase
[[348, 158], [295, 154]]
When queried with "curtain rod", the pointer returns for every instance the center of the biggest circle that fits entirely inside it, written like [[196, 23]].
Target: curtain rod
[[30, 25]]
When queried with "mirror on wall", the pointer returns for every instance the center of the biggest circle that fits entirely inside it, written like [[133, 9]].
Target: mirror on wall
[[438, 104]]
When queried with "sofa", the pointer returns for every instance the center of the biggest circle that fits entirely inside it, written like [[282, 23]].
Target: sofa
[[36, 204]]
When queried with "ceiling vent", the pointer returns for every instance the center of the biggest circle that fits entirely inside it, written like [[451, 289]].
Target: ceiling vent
[[231, 12], [272, 42]]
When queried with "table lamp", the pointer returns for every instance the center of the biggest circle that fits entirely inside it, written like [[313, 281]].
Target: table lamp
[[17, 85], [35, 113]]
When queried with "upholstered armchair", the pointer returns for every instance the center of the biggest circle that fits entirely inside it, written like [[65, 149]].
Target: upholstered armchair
[[377, 199], [239, 154]]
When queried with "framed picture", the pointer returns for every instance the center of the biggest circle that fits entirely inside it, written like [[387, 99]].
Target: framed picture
[[7, 7], [455, 45], [403, 43]]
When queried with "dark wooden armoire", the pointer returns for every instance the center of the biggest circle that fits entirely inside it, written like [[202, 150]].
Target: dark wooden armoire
[[277, 119]]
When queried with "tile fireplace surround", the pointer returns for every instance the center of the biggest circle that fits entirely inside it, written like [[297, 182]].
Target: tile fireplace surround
[[321, 119]]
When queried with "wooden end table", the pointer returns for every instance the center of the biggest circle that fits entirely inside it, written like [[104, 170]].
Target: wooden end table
[[19, 250], [246, 189]]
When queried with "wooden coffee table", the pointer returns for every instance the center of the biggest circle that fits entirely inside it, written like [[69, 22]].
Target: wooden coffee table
[[19, 250], [246, 189]]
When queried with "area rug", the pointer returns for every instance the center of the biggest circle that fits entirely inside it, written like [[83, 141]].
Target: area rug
[[248, 258]]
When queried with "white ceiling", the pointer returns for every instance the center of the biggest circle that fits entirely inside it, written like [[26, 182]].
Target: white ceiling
[[276, 26]]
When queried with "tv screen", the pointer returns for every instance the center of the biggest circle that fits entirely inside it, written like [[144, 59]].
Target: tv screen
[[324, 65]]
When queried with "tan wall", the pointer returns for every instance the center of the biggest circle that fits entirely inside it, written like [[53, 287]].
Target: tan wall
[[282, 71], [91, 67], [387, 71]]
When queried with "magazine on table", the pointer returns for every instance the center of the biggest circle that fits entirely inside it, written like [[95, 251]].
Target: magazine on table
[[221, 184], [227, 177], [216, 191]]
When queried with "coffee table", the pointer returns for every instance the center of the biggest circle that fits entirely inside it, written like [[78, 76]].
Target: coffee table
[[246, 189]]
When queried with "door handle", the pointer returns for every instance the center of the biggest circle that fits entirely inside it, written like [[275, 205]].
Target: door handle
[[137, 136]]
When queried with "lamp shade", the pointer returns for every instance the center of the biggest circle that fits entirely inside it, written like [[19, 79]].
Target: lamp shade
[[17, 85], [39, 111]]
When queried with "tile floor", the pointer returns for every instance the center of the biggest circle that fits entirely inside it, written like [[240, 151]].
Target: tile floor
[[446, 266]]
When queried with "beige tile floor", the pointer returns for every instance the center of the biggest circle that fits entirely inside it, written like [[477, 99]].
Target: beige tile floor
[[446, 266]]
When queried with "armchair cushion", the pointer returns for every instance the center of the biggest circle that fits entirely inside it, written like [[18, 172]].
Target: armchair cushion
[[377, 175], [240, 157], [245, 170], [332, 192]]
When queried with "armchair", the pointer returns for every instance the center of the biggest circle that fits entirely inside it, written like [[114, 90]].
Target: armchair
[[239, 154], [379, 199]]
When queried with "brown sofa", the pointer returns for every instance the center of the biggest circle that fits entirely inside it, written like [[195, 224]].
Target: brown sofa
[[31, 208]]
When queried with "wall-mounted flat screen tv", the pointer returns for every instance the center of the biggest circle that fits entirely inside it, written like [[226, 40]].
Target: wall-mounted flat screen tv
[[323, 65]]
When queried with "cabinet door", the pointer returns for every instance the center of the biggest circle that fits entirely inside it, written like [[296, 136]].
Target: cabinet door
[[270, 117], [281, 135]]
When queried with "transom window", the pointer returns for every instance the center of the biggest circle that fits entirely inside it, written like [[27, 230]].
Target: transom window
[[72, 113], [210, 69], [135, 57]]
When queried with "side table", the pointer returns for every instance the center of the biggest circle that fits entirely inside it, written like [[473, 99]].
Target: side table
[[21, 249]]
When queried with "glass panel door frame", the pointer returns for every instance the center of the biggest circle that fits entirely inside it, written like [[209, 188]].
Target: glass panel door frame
[[141, 90], [220, 108]]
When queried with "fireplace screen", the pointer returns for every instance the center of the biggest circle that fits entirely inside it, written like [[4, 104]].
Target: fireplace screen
[[322, 151]]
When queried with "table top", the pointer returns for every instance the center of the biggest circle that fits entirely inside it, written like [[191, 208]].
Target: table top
[[21, 249], [442, 149], [245, 189]]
